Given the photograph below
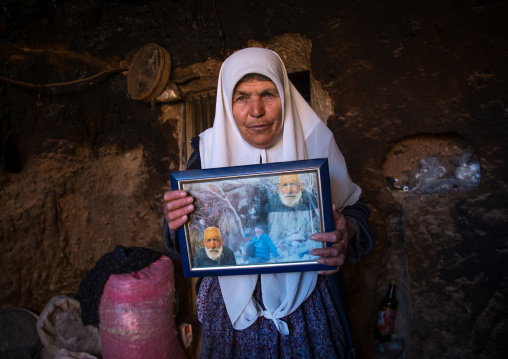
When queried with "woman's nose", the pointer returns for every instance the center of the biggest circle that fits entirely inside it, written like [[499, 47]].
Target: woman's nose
[[257, 108]]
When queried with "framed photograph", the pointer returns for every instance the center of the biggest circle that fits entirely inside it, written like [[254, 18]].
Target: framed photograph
[[255, 219]]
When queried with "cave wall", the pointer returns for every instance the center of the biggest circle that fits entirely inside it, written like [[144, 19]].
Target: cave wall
[[84, 166]]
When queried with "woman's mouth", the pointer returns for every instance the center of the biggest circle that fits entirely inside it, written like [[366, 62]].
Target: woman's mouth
[[259, 127]]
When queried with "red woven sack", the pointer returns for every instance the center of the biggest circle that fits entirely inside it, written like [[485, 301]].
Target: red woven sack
[[136, 314]]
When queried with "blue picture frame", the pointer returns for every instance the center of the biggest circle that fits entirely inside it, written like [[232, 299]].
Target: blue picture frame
[[284, 201]]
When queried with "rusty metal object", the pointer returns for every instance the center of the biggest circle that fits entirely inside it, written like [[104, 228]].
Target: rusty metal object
[[148, 73]]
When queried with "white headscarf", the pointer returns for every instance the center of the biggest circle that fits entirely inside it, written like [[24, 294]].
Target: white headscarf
[[303, 136]]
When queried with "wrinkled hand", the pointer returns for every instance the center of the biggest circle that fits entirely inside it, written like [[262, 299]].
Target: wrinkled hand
[[177, 206], [340, 237]]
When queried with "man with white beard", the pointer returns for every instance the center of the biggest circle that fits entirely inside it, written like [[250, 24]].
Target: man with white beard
[[214, 253], [291, 196], [291, 191], [292, 210]]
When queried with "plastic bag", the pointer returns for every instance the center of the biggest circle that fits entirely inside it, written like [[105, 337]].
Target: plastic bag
[[136, 314], [429, 170], [59, 327], [439, 186], [467, 172]]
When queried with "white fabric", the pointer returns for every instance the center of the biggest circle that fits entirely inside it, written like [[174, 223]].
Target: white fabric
[[304, 136]]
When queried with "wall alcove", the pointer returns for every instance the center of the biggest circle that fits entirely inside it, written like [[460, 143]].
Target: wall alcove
[[429, 164]]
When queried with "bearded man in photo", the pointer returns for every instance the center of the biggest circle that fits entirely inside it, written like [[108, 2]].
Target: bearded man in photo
[[214, 253]]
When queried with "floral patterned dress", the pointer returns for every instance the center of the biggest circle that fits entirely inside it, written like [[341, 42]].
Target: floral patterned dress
[[315, 328]]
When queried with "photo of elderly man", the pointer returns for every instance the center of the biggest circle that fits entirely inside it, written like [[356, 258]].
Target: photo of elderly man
[[293, 210], [214, 253], [291, 196]]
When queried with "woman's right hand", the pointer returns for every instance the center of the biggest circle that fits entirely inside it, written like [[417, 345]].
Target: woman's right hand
[[177, 206]]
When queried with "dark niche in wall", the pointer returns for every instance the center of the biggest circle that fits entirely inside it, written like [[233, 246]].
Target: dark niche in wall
[[428, 164], [301, 80], [12, 161]]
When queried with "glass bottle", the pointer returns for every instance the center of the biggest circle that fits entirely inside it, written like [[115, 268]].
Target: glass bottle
[[386, 314]]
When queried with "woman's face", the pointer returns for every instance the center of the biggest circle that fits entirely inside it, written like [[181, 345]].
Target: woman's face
[[257, 110]]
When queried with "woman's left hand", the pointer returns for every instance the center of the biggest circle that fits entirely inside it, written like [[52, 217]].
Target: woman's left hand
[[340, 237]]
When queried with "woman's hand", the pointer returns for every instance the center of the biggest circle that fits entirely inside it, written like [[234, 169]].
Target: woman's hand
[[340, 237], [177, 206]]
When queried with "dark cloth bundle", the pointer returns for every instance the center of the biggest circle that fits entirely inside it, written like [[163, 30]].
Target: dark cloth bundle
[[121, 260]]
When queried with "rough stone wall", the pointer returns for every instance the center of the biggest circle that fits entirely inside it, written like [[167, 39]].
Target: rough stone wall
[[83, 169]]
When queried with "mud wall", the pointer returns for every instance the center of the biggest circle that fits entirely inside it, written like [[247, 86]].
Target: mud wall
[[84, 166]]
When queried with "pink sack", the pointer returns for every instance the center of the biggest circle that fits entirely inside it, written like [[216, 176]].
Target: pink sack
[[136, 314]]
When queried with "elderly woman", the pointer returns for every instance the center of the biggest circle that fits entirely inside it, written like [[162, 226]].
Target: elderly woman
[[260, 117]]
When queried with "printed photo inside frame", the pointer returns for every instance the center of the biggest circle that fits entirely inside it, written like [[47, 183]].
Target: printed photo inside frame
[[255, 219]]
